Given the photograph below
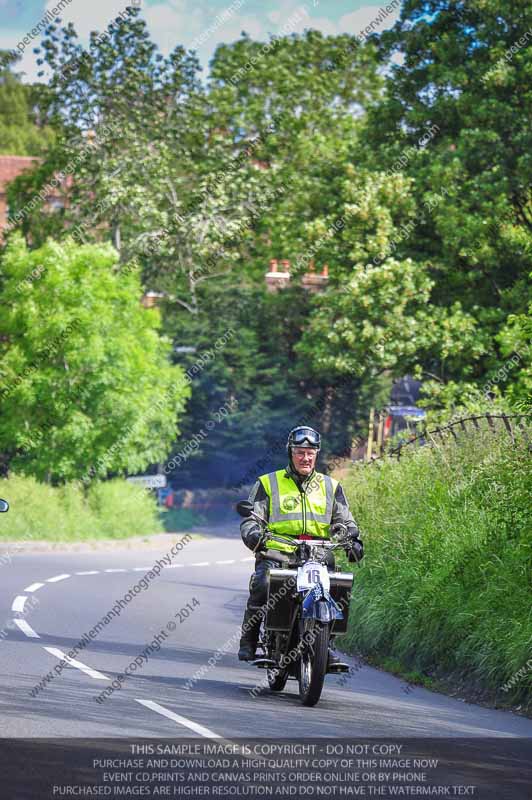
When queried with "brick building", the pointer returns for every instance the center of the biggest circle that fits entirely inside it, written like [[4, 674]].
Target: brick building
[[10, 168]]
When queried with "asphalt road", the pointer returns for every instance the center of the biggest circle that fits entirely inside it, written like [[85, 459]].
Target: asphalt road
[[67, 594]]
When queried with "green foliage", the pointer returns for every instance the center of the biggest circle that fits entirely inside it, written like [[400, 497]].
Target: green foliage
[[465, 75], [516, 342], [150, 153], [293, 82], [446, 581], [112, 510], [412, 188], [22, 132], [179, 519], [243, 353], [87, 389]]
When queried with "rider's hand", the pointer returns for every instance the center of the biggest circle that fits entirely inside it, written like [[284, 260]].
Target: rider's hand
[[256, 539], [355, 549], [339, 529]]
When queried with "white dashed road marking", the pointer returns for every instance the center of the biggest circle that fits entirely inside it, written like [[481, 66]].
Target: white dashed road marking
[[187, 723], [18, 603], [25, 628], [18, 606], [73, 663], [33, 587]]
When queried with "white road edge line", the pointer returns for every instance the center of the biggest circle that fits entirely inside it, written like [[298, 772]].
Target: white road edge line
[[118, 569], [251, 558], [141, 569], [88, 572], [175, 566], [200, 564], [33, 587], [57, 578], [25, 628], [72, 661], [231, 561], [188, 723], [18, 603]]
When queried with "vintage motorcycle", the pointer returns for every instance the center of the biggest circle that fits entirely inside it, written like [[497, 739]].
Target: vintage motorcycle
[[306, 605]]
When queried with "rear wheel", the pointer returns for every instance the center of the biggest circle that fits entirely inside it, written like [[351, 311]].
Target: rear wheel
[[313, 663], [278, 676]]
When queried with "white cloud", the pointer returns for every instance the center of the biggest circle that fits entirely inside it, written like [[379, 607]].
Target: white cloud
[[274, 16], [326, 26], [202, 26], [95, 15], [27, 65], [357, 21], [172, 25]]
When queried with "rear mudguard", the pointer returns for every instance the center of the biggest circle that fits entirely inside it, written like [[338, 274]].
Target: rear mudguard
[[318, 604]]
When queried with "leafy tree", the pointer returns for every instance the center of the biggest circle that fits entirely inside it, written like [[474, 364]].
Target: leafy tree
[[465, 76], [294, 88], [243, 356], [87, 388], [293, 78], [23, 131], [139, 137], [516, 344]]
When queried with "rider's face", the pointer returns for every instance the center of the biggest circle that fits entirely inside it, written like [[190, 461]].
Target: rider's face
[[304, 459]]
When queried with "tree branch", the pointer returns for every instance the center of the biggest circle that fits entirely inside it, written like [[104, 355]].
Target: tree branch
[[214, 275]]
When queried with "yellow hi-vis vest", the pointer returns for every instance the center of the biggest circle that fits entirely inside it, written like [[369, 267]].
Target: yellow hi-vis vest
[[293, 512]]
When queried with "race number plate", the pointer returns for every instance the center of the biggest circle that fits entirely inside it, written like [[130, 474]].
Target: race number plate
[[311, 574]]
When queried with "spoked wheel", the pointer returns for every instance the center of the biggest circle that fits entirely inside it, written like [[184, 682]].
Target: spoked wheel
[[277, 679], [277, 676], [313, 663]]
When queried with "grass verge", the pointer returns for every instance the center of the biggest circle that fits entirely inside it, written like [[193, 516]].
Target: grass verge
[[445, 592]]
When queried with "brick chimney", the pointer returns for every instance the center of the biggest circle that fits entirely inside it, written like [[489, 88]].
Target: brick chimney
[[151, 299], [314, 281], [276, 279]]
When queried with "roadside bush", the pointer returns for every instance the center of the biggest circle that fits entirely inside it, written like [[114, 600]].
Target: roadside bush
[[114, 509], [446, 583], [121, 509]]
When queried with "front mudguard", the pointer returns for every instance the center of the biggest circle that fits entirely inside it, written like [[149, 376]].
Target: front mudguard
[[318, 604]]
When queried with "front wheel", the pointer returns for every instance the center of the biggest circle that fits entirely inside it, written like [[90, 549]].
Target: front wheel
[[313, 663]]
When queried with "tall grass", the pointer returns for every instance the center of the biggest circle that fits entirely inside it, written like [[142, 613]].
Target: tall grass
[[110, 510], [447, 581]]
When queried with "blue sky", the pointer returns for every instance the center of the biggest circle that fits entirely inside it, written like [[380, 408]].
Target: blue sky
[[193, 23]]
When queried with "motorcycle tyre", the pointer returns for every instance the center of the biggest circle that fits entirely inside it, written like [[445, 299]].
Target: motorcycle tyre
[[310, 694]]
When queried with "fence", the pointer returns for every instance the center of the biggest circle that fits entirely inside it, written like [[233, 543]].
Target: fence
[[518, 428]]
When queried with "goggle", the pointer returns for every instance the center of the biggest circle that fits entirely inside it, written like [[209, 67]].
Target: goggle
[[305, 435]]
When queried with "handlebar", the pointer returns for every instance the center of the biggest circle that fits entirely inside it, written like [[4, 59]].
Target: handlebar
[[320, 542]]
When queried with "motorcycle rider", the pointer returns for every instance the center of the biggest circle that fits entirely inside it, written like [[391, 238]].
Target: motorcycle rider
[[294, 501]]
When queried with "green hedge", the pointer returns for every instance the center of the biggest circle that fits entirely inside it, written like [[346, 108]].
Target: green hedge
[[110, 510], [446, 587]]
